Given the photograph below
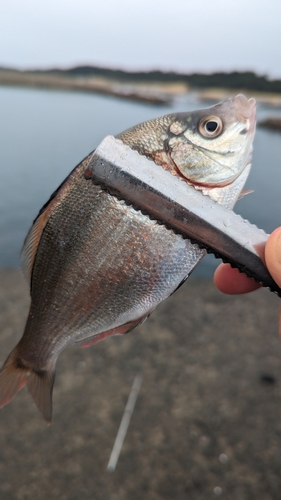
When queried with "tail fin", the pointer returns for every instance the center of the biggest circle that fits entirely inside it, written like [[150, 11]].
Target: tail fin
[[14, 375], [40, 385]]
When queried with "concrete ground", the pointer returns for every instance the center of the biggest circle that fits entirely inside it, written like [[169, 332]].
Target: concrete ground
[[207, 422]]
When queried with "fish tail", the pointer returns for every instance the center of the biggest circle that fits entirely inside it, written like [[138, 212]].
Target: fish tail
[[14, 375], [40, 384]]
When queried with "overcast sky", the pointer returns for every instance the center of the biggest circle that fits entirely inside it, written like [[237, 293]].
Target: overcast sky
[[181, 35]]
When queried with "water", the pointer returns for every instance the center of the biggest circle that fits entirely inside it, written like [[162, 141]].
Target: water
[[45, 133]]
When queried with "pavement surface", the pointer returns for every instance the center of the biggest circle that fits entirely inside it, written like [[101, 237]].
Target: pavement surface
[[206, 424]]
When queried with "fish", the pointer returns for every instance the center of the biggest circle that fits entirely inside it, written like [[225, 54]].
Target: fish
[[98, 266]]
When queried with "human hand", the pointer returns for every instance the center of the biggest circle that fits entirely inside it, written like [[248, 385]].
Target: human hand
[[229, 280]]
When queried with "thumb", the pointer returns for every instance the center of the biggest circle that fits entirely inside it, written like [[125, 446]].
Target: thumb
[[273, 260]]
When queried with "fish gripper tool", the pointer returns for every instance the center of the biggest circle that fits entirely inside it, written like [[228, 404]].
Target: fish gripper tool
[[169, 200]]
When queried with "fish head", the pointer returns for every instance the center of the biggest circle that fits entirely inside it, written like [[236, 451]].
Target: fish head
[[212, 146], [209, 147]]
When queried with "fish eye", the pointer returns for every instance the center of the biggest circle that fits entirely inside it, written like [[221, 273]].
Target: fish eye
[[210, 126]]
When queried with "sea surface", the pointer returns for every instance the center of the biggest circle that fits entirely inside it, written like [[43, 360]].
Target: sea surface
[[45, 133]]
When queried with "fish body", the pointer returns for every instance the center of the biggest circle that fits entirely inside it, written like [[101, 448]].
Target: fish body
[[98, 266]]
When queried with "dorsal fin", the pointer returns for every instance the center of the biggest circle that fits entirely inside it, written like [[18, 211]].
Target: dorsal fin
[[31, 242], [34, 234], [33, 237]]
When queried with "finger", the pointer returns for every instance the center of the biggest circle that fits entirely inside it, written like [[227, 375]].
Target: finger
[[273, 255], [230, 280], [273, 260]]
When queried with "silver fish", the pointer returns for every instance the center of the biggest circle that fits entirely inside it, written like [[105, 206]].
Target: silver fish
[[98, 266]]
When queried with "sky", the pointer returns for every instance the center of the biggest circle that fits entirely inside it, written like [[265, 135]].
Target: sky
[[179, 35]]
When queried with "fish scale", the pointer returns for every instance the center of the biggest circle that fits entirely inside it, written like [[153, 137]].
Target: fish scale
[[160, 263], [99, 266]]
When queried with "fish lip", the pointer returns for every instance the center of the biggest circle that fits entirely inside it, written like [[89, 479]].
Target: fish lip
[[246, 106], [245, 110]]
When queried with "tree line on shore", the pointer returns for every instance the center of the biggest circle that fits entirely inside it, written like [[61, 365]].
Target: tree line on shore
[[235, 79], [247, 80]]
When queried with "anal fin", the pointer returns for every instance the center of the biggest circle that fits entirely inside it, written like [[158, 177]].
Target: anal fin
[[119, 330]]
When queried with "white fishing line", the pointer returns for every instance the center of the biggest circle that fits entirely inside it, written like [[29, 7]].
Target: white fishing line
[[124, 424]]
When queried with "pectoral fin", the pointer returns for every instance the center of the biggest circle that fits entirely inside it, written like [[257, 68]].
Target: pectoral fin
[[244, 193]]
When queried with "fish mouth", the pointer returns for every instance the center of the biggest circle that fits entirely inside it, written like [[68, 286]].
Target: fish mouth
[[245, 111]]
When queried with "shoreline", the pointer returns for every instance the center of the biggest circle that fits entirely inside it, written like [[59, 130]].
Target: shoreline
[[158, 94], [151, 92]]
